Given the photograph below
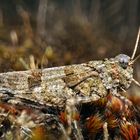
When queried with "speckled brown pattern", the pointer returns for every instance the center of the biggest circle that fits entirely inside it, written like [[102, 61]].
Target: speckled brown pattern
[[53, 86]]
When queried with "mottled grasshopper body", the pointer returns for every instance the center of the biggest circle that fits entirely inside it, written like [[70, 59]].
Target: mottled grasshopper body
[[53, 86], [66, 86]]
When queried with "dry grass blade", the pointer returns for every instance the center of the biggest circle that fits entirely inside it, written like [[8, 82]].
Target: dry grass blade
[[106, 135], [136, 45]]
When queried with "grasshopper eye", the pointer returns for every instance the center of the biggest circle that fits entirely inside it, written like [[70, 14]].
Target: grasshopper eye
[[123, 60]]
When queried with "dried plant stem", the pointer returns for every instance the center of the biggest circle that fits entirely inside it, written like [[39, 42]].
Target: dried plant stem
[[64, 132], [25, 65], [106, 135], [136, 45]]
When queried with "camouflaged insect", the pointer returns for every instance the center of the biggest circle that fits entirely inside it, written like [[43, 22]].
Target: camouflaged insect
[[54, 86], [63, 88]]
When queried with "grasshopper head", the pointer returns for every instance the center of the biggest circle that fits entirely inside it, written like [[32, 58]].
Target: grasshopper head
[[116, 72], [124, 70], [126, 66]]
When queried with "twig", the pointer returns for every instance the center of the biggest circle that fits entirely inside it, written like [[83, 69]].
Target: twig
[[136, 45], [106, 135]]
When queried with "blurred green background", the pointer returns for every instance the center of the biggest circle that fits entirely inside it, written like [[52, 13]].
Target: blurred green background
[[46, 33]]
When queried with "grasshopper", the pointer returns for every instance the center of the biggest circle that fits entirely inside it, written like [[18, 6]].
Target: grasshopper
[[67, 86]]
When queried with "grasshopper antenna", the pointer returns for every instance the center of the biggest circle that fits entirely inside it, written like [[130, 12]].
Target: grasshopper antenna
[[133, 61], [136, 45], [133, 55], [136, 82]]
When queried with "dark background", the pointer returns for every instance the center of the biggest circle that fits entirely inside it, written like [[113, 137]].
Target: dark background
[[61, 32]]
